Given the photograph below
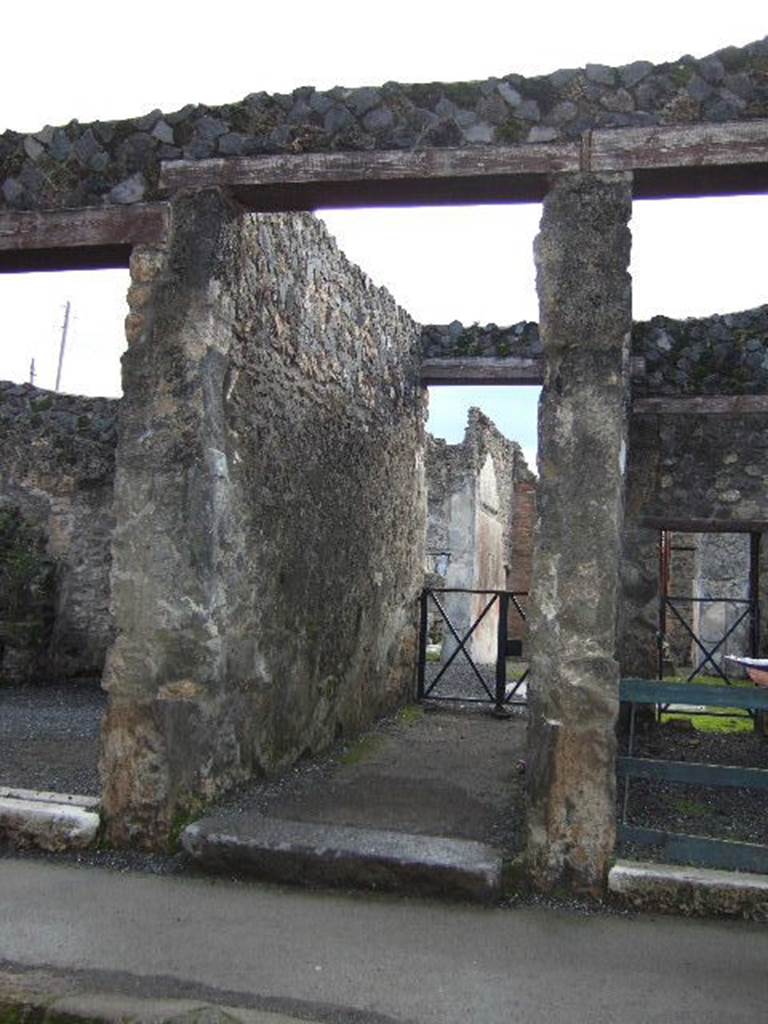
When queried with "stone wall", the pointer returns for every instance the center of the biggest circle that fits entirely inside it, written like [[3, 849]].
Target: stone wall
[[270, 511], [680, 467], [703, 569], [457, 340], [724, 354], [477, 526], [118, 161], [693, 467], [56, 478], [721, 354]]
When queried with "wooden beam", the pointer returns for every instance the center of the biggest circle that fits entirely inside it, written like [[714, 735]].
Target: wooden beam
[[495, 370], [690, 145], [690, 525], [699, 850], [694, 773], [482, 370], [654, 691], [722, 405], [77, 239], [361, 171], [677, 160]]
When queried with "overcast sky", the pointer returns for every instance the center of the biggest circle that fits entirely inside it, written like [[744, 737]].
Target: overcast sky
[[90, 60]]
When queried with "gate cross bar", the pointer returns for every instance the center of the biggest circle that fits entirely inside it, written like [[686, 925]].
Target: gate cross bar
[[707, 653], [462, 645]]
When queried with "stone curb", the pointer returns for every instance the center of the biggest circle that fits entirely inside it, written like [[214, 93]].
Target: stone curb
[[372, 859], [48, 821], [680, 889]]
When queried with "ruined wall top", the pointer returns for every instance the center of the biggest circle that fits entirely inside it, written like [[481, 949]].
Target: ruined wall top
[[481, 437], [119, 161], [723, 354]]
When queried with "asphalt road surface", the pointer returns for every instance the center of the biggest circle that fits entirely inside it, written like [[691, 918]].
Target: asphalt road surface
[[355, 959]]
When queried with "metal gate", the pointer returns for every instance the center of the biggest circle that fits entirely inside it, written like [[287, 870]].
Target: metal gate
[[679, 608], [496, 690]]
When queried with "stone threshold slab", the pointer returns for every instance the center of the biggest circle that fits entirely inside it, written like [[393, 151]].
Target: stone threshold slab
[[689, 890], [318, 854], [54, 822]]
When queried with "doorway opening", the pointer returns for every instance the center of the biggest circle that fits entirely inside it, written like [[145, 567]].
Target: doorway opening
[[455, 270], [59, 396]]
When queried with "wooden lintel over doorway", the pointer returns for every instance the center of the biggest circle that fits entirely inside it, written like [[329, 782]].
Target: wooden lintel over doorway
[[665, 160], [697, 405], [82, 239], [498, 370], [704, 525]]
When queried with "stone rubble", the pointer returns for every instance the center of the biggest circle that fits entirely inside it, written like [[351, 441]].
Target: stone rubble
[[722, 354], [118, 161]]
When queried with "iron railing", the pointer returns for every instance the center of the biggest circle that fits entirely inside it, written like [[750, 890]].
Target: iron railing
[[503, 693]]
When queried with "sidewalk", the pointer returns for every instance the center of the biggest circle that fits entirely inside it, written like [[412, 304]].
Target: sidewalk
[[369, 960]]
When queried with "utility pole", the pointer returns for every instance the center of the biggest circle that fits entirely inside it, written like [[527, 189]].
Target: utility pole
[[32, 371], [64, 329]]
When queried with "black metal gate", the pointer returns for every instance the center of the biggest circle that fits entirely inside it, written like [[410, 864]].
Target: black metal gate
[[497, 691], [675, 606]]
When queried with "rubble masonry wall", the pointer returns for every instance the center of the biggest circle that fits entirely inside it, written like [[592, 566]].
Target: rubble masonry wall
[[270, 511], [118, 162], [56, 478]]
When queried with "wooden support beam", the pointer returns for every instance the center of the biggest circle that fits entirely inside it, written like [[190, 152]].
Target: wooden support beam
[[704, 525], [690, 145], [482, 370], [676, 160], [427, 177], [92, 237], [709, 405], [494, 370]]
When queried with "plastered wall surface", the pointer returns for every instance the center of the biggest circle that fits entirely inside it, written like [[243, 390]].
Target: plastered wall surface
[[476, 525]]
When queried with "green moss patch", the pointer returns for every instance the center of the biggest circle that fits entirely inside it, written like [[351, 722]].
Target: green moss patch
[[363, 750]]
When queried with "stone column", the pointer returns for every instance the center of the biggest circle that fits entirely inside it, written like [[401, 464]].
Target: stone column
[[582, 255], [170, 735]]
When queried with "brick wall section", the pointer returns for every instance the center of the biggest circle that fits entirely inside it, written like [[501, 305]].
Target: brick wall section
[[521, 553]]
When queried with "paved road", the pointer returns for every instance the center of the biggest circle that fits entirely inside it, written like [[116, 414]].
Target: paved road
[[360, 959]]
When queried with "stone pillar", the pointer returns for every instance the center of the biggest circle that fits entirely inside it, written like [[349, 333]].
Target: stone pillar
[[170, 735], [582, 255]]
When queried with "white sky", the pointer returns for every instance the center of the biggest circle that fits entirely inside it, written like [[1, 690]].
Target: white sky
[[88, 60]]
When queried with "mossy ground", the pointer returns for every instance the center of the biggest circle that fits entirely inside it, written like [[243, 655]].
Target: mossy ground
[[722, 720], [362, 751]]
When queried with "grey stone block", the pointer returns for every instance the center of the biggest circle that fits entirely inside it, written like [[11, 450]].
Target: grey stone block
[[306, 853], [690, 890]]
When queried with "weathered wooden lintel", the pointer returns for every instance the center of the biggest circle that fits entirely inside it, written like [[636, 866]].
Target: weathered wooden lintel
[[482, 370], [723, 405], [676, 160], [494, 370], [657, 522], [87, 238]]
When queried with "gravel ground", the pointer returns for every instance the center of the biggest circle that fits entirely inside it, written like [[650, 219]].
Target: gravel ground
[[49, 740], [737, 814], [449, 770], [49, 737], [460, 680]]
